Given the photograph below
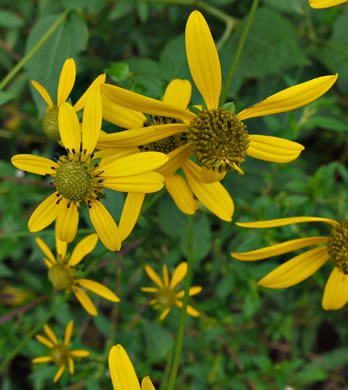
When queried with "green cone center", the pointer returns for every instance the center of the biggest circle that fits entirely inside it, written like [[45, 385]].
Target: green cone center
[[166, 297], [338, 246], [73, 180], [219, 140], [50, 124], [60, 354], [61, 276]]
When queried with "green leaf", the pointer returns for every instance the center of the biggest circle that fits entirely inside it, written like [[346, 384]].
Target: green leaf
[[172, 220], [325, 123], [158, 340], [6, 96], [118, 71], [9, 19]]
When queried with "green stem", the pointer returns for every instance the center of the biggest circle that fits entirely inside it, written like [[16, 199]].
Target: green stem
[[14, 352], [26, 58], [183, 314], [238, 52]]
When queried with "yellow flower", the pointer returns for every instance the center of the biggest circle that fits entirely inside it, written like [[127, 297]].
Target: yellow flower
[[166, 296], [13, 296], [61, 271], [78, 180], [65, 85], [304, 265], [216, 137], [122, 372], [325, 3], [60, 352]]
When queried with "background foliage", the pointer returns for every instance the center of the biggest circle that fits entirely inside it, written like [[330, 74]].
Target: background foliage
[[247, 337]]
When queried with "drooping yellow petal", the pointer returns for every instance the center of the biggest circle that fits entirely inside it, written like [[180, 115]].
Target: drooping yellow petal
[[91, 120], [105, 226], [44, 214], [71, 366], [290, 98], [210, 176], [67, 221], [165, 275], [50, 334], [145, 182], [285, 221], [44, 341], [178, 93], [130, 213], [336, 291], [164, 314], [42, 359], [176, 159], [80, 104], [79, 353], [273, 149], [43, 92], [142, 136], [278, 249], [146, 384], [68, 332], [178, 275], [296, 270], [325, 3], [153, 275], [85, 301], [140, 103], [69, 127], [193, 291], [122, 372], [99, 289], [45, 249], [34, 164], [66, 80], [212, 195], [190, 310], [149, 289], [59, 374], [181, 193], [61, 247], [82, 249], [121, 116], [203, 59]]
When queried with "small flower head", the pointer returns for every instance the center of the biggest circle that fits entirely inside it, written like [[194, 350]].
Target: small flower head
[[166, 297], [122, 372], [60, 354], [61, 271]]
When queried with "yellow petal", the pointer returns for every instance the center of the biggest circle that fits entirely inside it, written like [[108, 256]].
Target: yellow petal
[[82, 249], [164, 314], [336, 291], [45, 249], [325, 3], [44, 94], [165, 275], [48, 262], [42, 359], [69, 127], [181, 193], [130, 213], [135, 164], [178, 93], [203, 59], [34, 164], [285, 221], [190, 310], [146, 384], [110, 155], [59, 374], [67, 221], [142, 136], [297, 269], [193, 291], [122, 372], [50, 334], [61, 247], [71, 366], [153, 275], [68, 332], [99, 289], [44, 341], [44, 214], [176, 159], [178, 275], [80, 104], [212, 195], [105, 226], [210, 176], [137, 102], [278, 249], [273, 149], [121, 116], [149, 289], [79, 353], [66, 80], [145, 182], [91, 121], [85, 301], [290, 98]]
